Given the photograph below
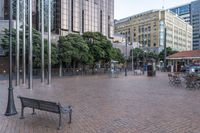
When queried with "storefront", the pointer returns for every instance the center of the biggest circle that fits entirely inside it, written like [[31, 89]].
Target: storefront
[[181, 61]]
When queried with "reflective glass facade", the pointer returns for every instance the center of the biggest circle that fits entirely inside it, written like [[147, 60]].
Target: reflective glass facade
[[195, 16], [183, 11], [80, 16], [191, 14], [1, 9]]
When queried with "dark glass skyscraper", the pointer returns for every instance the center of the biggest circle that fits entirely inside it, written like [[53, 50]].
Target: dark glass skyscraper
[[195, 17], [191, 13], [183, 11]]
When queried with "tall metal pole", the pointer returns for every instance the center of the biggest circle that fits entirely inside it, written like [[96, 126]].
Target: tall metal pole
[[42, 39], [60, 61], [132, 59], [30, 47], [132, 50], [49, 42], [165, 50], [17, 44], [24, 42], [39, 14], [126, 57], [11, 110], [144, 52]]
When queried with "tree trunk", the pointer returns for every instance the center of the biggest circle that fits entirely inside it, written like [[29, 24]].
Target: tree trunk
[[93, 66]]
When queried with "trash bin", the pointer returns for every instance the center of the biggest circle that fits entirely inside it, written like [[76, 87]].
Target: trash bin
[[149, 70]]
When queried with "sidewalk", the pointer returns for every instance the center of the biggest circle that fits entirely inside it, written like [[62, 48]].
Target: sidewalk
[[132, 104]]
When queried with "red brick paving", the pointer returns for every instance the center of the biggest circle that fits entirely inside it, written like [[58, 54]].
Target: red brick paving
[[133, 104]]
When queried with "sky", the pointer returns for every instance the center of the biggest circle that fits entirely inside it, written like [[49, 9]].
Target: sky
[[125, 8]]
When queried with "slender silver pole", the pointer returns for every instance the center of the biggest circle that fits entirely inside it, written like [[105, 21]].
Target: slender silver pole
[[126, 56], [132, 59], [165, 50], [39, 14], [132, 49], [49, 42], [30, 47], [17, 44], [42, 39], [24, 42], [60, 68]]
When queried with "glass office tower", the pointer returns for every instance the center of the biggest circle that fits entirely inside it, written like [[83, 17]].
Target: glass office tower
[[191, 14], [79, 16], [183, 11], [195, 16]]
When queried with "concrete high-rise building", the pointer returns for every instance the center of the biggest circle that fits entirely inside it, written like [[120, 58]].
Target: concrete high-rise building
[[147, 30], [79, 16], [191, 13]]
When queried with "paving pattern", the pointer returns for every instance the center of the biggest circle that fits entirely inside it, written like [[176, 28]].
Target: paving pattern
[[133, 104]]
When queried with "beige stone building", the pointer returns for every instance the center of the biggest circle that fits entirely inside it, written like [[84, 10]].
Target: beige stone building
[[147, 30]]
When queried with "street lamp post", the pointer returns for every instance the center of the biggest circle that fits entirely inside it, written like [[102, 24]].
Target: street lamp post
[[132, 59], [24, 42], [49, 42], [11, 110], [17, 44], [42, 41], [30, 85], [126, 56], [165, 50]]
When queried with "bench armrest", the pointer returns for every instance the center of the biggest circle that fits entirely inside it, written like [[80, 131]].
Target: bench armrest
[[66, 109]]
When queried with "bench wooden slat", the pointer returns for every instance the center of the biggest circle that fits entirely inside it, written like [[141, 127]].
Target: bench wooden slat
[[49, 106], [30, 103]]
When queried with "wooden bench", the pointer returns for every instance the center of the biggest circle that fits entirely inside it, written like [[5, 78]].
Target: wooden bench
[[45, 106]]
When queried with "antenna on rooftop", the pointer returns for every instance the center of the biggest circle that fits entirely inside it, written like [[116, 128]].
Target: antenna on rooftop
[[163, 6]]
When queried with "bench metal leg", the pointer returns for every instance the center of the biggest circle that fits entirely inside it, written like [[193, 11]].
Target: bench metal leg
[[22, 113], [70, 116], [33, 112], [60, 121]]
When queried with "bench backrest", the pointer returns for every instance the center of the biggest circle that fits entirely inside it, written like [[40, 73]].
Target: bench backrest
[[40, 104]]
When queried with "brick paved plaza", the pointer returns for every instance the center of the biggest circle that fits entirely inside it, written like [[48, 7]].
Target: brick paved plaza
[[133, 104]]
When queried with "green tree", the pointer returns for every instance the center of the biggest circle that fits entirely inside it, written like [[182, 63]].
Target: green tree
[[169, 52], [36, 46], [151, 55], [73, 49], [138, 54], [117, 55], [99, 46]]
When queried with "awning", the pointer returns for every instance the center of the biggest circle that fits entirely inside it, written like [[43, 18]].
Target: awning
[[189, 55]]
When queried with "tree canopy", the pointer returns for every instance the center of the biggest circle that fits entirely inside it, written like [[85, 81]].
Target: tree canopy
[[73, 48], [89, 49], [101, 48], [169, 52], [36, 46]]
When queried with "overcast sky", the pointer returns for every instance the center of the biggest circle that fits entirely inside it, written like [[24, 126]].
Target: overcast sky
[[125, 8]]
